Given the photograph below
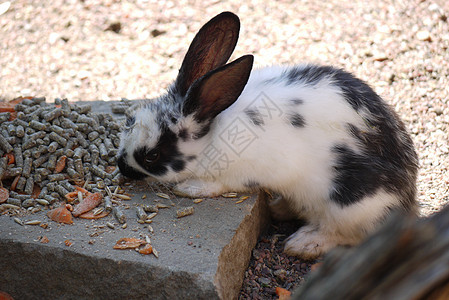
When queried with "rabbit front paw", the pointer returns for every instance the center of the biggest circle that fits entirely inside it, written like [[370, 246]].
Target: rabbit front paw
[[194, 188]]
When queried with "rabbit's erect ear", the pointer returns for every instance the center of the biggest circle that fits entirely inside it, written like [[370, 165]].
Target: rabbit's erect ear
[[218, 89], [210, 49]]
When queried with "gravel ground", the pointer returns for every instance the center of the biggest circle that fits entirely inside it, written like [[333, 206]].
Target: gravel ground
[[101, 50]]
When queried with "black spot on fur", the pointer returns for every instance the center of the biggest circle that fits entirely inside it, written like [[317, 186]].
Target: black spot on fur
[[309, 75], [127, 170], [387, 160], [355, 177], [355, 91], [255, 116], [297, 120], [178, 165], [183, 134], [169, 155], [203, 131]]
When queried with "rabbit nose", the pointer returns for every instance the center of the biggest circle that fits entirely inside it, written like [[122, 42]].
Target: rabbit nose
[[127, 170]]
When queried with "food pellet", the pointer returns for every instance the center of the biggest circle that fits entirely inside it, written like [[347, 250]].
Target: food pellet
[[5, 145], [28, 203], [107, 204], [29, 186], [41, 134], [141, 215], [14, 201], [150, 208], [119, 215]]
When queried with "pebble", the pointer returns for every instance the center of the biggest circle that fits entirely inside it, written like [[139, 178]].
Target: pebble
[[264, 280], [423, 35]]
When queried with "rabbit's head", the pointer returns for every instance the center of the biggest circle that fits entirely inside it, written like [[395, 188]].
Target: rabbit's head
[[162, 136]]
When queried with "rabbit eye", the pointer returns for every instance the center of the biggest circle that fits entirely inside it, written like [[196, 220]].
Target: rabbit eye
[[151, 157]]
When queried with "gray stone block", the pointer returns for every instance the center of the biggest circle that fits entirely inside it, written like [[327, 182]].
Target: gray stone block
[[202, 256]]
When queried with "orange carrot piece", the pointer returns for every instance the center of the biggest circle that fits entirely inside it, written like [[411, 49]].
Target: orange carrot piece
[[283, 293], [11, 158], [88, 203], [4, 194], [14, 183], [147, 249], [60, 164], [61, 215]]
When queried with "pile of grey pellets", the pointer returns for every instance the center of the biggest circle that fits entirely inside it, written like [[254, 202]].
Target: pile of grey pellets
[[40, 136]]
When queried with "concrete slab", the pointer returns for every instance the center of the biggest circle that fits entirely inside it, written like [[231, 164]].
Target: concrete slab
[[201, 256]]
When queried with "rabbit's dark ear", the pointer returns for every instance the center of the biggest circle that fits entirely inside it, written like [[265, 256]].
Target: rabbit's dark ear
[[210, 49], [218, 89]]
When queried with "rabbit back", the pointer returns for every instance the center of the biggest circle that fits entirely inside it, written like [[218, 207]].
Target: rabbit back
[[322, 130]]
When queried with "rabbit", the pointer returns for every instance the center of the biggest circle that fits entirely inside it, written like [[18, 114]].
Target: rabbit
[[335, 152]]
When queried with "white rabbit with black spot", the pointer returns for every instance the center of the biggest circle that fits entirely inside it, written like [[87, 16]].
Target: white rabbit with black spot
[[322, 139]]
